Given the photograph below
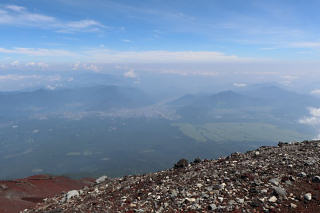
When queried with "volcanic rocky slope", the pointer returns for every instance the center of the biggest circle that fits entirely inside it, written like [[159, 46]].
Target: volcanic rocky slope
[[269, 179]]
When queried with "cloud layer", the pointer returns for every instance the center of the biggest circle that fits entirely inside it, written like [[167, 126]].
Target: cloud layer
[[101, 55], [21, 16], [313, 119]]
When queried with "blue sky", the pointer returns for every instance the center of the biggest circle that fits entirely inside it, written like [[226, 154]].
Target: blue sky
[[285, 29], [85, 34]]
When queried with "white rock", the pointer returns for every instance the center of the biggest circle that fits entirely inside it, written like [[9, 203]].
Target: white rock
[[239, 200], [293, 206], [212, 207], [191, 199], [71, 194], [274, 181], [102, 179], [199, 185], [264, 191], [221, 186], [272, 199], [308, 196]]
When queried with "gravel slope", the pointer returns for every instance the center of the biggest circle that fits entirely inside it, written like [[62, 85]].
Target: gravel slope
[[269, 179]]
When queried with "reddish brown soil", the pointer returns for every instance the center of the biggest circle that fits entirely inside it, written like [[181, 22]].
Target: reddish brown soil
[[17, 195]]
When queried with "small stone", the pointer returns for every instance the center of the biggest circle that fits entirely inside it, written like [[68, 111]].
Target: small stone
[[132, 205], [71, 194], [273, 199], [197, 160], [316, 179], [174, 193], [279, 191], [182, 163], [210, 188], [196, 206], [255, 204], [102, 179], [221, 186], [191, 200], [288, 182], [239, 200], [199, 185], [293, 206], [274, 181], [310, 161], [232, 202], [308, 196], [3, 187], [302, 174], [205, 196], [212, 207]]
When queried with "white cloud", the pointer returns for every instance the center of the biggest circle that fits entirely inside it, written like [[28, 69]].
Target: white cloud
[[85, 66], [314, 111], [269, 48], [91, 67], [18, 77], [51, 87], [188, 73], [70, 79], [126, 40], [21, 16], [306, 44], [239, 84], [290, 77], [83, 25], [15, 63], [312, 120], [161, 56], [100, 55], [15, 8], [41, 65], [130, 74], [315, 92], [37, 52]]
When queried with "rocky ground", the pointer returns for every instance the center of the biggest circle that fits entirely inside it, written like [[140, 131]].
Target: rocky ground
[[285, 178]]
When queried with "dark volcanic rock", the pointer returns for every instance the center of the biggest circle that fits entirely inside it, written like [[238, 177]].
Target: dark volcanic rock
[[270, 179], [182, 163]]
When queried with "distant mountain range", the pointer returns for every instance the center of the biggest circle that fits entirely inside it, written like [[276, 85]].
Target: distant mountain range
[[73, 99], [262, 102]]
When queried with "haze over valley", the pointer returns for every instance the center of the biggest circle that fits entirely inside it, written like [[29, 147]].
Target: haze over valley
[[121, 130]]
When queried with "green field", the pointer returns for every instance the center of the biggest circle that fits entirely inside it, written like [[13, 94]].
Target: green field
[[248, 132]]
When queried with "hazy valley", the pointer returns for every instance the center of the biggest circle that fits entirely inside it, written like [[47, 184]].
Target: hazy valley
[[118, 130]]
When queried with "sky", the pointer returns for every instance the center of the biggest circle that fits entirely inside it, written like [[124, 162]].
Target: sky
[[272, 35]]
